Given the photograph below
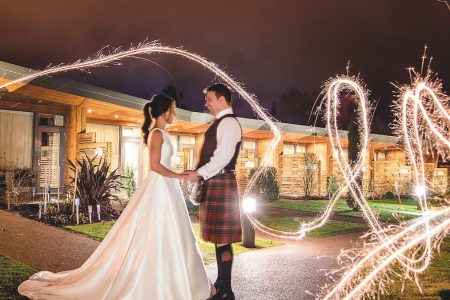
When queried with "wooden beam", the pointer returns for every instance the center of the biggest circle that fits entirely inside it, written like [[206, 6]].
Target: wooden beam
[[80, 119]]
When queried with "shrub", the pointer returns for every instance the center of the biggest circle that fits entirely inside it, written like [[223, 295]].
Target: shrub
[[266, 185], [332, 186], [63, 215], [389, 195], [22, 181], [128, 181]]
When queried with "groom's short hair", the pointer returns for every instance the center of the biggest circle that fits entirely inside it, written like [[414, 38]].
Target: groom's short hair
[[220, 90]]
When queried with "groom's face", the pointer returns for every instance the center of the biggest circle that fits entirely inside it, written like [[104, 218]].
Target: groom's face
[[212, 103]]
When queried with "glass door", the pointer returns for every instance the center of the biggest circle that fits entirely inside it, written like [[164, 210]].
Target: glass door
[[49, 157]]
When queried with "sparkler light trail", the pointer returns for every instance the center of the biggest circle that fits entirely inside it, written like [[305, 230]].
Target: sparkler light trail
[[445, 2], [422, 111], [101, 59], [426, 119]]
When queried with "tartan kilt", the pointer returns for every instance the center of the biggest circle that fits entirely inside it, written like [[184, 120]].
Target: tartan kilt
[[220, 221]]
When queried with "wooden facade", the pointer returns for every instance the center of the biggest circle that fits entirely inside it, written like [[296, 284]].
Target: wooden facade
[[385, 166]]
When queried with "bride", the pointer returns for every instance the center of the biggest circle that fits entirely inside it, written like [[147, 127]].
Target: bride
[[151, 251]]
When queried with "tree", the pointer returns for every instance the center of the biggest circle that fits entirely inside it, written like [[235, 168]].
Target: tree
[[273, 109], [309, 177], [295, 106], [354, 148], [172, 92], [332, 186], [128, 181], [266, 185]]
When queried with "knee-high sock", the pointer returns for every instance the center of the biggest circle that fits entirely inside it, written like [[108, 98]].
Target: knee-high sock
[[219, 265], [226, 262]]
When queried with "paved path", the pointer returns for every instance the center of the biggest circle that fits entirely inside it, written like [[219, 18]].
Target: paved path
[[41, 246], [291, 271], [283, 272]]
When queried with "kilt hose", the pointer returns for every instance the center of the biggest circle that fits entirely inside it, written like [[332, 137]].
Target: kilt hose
[[220, 221]]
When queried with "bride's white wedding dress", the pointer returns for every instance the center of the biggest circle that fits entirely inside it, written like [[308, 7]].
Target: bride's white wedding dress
[[150, 252]]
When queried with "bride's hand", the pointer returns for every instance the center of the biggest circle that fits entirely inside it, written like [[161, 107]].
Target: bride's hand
[[182, 176]]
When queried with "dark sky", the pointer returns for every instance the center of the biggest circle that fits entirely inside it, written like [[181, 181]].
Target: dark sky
[[269, 46]]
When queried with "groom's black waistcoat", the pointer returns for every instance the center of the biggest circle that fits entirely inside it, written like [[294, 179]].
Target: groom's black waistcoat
[[210, 145]]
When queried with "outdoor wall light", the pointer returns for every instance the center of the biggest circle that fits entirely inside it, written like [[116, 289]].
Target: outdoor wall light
[[249, 164], [249, 205], [404, 171], [98, 151]]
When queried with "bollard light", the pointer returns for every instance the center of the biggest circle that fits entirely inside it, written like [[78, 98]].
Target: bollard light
[[420, 190], [249, 205], [248, 232]]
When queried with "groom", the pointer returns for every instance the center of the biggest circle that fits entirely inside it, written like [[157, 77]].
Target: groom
[[219, 211]]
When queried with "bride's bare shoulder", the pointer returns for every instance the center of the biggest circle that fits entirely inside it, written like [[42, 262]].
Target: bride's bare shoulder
[[155, 137]]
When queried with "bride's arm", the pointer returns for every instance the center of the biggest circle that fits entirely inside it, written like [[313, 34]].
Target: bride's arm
[[155, 157]]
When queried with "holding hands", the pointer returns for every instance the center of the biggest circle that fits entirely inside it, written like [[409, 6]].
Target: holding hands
[[190, 175]]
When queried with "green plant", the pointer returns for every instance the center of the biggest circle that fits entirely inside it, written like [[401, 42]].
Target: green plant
[[389, 195], [332, 186], [22, 181], [309, 176], [95, 183], [128, 181], [354, 150], [266, 185], [63, 215]]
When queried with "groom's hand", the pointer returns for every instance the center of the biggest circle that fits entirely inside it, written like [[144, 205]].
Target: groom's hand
[[191, 176]]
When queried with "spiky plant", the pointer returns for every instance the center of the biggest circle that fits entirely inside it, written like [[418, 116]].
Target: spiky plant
[[95, 182]]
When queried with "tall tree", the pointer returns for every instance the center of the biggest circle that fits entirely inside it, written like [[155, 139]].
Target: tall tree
[[172, 92], [295, 106], [354, 148], [273, 109]]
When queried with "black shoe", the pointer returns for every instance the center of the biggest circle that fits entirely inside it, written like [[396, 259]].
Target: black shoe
[[223, 295]]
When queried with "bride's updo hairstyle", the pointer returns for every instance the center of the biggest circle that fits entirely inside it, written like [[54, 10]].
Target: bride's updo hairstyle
[[158, 105]]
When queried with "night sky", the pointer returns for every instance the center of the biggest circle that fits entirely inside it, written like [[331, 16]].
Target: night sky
[[280, 50]]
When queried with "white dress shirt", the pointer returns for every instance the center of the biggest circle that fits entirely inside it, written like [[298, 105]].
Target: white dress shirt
[[229, 133]]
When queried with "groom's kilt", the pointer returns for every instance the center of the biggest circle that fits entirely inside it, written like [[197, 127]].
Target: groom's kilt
[[219, 215]]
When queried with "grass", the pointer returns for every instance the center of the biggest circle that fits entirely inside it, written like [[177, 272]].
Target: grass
[[434, 282], [98, 231], [208, 251], [12, 273], [95, 231], [331, 228], [386, 208]]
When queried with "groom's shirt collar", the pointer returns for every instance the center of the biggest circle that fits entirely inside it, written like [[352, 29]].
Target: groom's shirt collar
[[224, 112]]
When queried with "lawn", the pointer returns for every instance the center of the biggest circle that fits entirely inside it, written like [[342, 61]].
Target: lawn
[[386, 208], [12, 273], [290, 224], [435, 282], [98, 231]]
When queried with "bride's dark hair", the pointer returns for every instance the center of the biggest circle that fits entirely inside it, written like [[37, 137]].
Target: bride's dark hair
[[157, 106]]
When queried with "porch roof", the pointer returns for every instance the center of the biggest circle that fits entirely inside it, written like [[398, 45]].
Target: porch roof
[[194, 121]]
